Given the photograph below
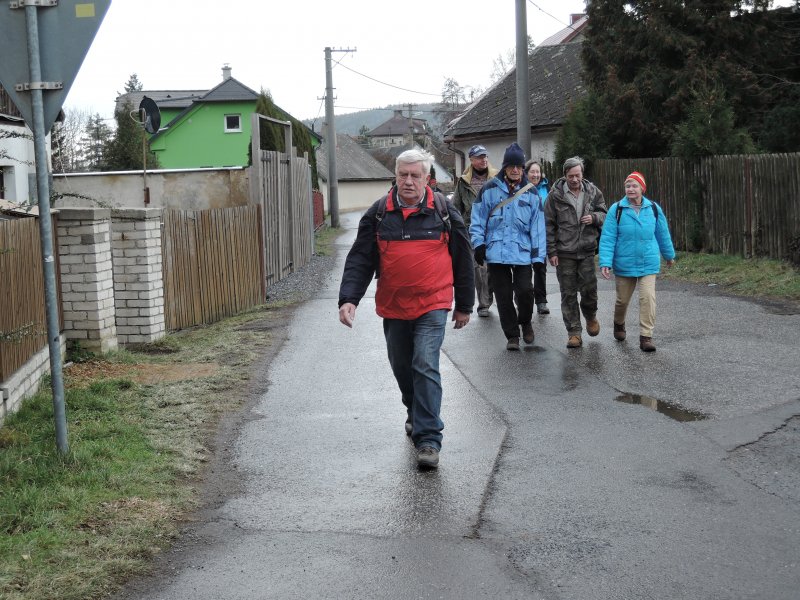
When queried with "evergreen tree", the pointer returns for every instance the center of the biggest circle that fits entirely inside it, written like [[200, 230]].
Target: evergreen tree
[[133, 84], [96, 138], [646, 65], [272, 134], [124, 150]]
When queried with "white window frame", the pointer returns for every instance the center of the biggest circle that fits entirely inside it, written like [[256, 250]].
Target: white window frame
[[232, 130]]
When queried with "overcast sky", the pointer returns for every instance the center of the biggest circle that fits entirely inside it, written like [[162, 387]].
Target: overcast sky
[[279, 45]]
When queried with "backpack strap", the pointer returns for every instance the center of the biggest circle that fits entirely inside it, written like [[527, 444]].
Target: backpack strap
[[439, 203], [653, 205]]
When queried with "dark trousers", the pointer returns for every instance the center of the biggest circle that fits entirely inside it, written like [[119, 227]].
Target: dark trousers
[[540, 283], [508, 282], [577, 276]]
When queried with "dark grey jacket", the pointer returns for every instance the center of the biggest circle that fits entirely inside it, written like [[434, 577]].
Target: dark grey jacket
[[566, 235]]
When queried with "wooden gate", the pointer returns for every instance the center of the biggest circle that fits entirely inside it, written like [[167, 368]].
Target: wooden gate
[[281, 184]]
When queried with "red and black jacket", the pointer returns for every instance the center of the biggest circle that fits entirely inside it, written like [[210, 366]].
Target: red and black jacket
[[422, 265]]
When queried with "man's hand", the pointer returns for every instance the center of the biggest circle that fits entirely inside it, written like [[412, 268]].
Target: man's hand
[[605, 272], [347, 313], [587, 219], [460, 318], [480, 254], [670, 263], [553, 260]]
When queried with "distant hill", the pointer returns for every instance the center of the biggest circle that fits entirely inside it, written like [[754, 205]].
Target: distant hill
[[351, 123]]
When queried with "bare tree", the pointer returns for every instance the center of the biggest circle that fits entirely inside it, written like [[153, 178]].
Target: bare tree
[[67, 141]]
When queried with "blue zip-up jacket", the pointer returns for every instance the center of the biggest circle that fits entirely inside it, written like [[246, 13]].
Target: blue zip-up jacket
[[634, 247], [542, 188], [514, 234]]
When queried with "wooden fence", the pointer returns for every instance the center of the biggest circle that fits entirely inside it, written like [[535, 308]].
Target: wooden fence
[[745, 204], [23, 318], [213, 264]]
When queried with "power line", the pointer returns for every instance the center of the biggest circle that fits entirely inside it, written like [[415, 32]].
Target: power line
[[389, 84], [549, 15]]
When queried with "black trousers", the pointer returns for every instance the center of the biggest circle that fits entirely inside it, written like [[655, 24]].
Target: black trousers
[[540, 283], [508, 282]]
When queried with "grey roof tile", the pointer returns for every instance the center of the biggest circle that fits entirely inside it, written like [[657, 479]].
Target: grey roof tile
[[352, 162], [554, 77]]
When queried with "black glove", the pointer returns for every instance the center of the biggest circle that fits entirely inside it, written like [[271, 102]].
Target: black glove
[[480, 254]]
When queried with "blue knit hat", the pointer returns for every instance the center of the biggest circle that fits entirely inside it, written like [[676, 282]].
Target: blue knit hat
[[514, 157]]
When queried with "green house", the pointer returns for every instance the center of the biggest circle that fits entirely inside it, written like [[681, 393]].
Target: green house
[[203, 128]]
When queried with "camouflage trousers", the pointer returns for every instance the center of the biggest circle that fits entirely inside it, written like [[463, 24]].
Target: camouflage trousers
[[577, 276]]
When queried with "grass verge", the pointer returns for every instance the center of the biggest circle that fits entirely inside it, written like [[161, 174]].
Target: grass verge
[[757, 277], [139, 423]]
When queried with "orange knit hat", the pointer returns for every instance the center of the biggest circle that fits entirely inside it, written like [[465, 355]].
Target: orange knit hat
[[638, 178]]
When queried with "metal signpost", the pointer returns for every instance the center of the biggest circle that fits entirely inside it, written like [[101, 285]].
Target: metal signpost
[[42, 53]]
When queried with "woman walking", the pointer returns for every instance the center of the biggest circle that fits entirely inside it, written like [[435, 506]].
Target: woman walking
[[533, 171], [635, 236]]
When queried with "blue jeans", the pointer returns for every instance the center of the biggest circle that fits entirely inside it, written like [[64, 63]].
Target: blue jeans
[[413, 348]]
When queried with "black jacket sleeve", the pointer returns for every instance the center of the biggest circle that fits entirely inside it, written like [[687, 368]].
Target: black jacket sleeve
[[361, 262], [463, 265]]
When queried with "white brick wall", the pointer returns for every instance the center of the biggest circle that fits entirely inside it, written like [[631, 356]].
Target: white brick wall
[[87, 278], [25, 381], [138, 274]]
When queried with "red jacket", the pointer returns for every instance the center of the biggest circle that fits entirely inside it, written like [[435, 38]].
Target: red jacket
[[419, 262]]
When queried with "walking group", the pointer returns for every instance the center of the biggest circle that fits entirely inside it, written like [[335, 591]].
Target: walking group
[[493, 242]]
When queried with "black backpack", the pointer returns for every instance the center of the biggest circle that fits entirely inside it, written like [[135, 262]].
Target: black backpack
[[439, 202]]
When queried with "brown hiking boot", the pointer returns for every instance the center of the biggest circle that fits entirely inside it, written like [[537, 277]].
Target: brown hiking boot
[[592, 327], [619, 332], [513, 344], [574, 341], [646, 344], [527, 333]]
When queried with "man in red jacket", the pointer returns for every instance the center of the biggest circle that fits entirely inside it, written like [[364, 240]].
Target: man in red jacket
[[417, 244]]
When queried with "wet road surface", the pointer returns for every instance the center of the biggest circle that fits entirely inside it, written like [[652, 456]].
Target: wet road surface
[[600, 472]]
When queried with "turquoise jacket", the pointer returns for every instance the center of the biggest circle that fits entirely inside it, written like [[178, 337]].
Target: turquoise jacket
[[543, 188], [633, 248], [514, 234]]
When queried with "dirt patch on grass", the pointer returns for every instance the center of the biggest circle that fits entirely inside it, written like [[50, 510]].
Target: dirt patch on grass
[[81, 374]]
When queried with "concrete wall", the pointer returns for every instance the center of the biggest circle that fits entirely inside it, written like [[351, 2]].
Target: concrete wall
[[190, 189]]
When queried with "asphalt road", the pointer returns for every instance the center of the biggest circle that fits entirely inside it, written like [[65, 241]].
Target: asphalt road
[[595, 473]]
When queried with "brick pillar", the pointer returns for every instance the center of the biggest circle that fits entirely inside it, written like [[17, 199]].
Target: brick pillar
[[138, 274], [87, 284]]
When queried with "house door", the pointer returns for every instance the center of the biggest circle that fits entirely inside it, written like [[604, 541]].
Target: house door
[[2, 184]]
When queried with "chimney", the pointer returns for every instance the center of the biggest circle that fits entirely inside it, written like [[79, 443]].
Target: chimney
[[573, 18], [226, 72]]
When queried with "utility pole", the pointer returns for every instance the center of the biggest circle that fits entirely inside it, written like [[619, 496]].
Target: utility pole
[[523, 93], [410, 125], [333, 182]]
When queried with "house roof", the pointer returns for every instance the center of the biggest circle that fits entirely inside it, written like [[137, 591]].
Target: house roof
[[179, 99], [554, 75], [230, 90], [387, 156], [398, 125], [571, 33], [352, 162]]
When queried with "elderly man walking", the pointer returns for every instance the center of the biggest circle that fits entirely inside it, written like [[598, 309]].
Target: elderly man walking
[[468, 186], [575, 211], [417, 243]]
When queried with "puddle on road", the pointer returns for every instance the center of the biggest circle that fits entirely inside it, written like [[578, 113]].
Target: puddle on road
[[671, 410]]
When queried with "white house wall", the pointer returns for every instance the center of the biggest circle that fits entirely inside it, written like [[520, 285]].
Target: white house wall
[[17, 160], [356, 195], [543, 147]]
